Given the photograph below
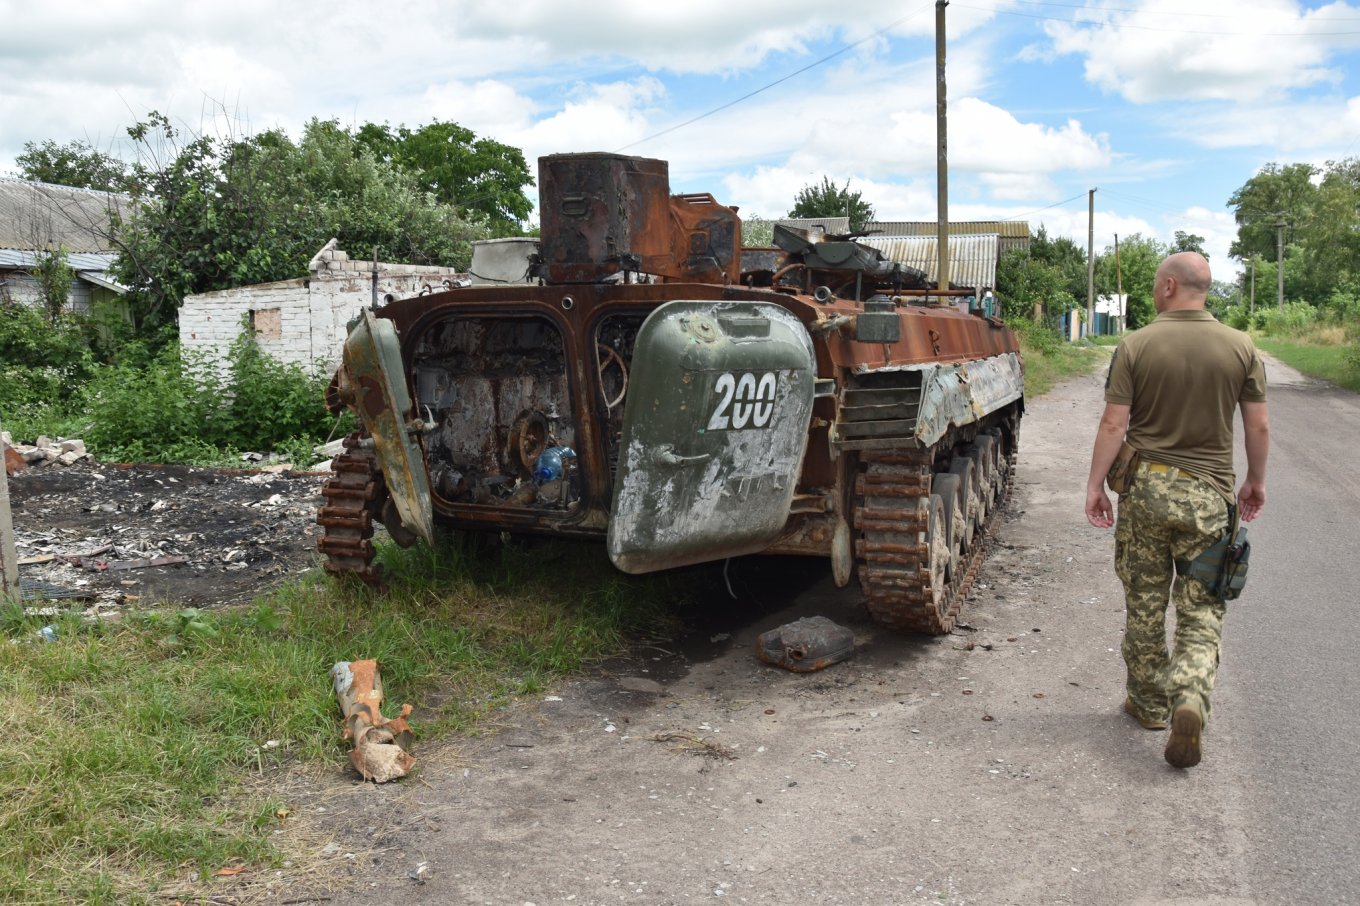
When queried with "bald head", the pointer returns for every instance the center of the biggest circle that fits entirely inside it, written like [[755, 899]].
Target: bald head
[[1182, 282]]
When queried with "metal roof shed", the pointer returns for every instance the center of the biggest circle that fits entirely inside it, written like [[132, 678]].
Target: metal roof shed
[[972, 259]]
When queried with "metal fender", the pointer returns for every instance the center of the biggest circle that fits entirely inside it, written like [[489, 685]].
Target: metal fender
[[715, 428], [373, 362]]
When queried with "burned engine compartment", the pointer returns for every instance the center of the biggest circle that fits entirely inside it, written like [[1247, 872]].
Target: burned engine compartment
[[497, 393]]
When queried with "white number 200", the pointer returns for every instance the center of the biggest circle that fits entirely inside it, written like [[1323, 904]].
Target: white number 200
[[750, 399]]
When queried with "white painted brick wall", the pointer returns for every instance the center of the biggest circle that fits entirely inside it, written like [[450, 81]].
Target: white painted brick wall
[[314, 312]]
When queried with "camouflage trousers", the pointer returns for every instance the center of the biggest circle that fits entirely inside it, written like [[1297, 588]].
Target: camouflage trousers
[[1168, 515]]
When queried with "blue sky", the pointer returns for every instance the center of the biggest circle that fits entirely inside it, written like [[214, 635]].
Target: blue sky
[[1164, 106]]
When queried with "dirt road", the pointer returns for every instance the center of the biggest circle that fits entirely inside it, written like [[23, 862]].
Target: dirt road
[[920, 771]]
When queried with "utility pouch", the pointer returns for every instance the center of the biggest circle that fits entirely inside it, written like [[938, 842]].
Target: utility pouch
[[1223, 567], [1120, 477]]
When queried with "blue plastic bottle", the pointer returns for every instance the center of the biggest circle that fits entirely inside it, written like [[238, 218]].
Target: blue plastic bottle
[[549, 465]]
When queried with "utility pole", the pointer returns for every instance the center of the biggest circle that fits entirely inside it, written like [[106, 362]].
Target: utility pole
[[1119, 286], [9, 554], [942, 161], [1251, 305], [1091, 261], [1279, 261]]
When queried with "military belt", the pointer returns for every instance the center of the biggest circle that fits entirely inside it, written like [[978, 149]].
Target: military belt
[[1163, 468]]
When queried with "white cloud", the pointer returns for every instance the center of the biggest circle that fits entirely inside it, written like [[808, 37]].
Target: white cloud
[[597, 118], [489, 107], [1325, 127], [1157, 50], [1004, 187]]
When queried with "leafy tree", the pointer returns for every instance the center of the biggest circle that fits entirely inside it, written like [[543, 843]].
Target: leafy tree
[[1329, 242], [757, 230], [830, 200], [1066, 257], [1023, 281], [1052, 274], [75, 164], [1222, 294], [1188, 242], [1273, 194], [219, 213], [480, 177], [1139, 257]]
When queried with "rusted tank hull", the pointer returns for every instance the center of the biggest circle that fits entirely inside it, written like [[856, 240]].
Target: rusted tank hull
[[809, 403]]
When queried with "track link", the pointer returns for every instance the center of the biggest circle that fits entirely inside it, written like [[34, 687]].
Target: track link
[[353, 496], [893, 550]]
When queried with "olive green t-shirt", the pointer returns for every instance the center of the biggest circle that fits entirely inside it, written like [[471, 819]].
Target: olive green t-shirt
[[1182, 377]]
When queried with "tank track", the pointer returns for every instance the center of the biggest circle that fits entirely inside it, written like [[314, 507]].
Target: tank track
[[901, 572], [353, 498]]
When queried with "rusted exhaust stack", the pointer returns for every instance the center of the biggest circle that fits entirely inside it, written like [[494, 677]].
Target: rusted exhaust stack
[[381, 747]]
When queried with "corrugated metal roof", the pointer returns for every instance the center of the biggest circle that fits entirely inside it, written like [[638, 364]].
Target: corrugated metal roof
[[38, 215], [836, 226], [1009, 229], [91, 267], [99, 278], [1013, 234], [972, 259], [79, 261]]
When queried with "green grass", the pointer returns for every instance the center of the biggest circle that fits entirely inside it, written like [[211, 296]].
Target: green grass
[[1049, 360], [1337, 364], [129, 744]]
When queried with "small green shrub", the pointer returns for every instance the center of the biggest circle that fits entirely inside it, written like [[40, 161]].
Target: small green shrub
[[179, 406], [41, 364], [272, 402], [1236, 316], [1040, 336], [137, 412], [1292, 320]]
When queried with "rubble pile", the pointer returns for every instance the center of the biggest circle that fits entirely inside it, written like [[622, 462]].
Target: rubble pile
[[45, 451]]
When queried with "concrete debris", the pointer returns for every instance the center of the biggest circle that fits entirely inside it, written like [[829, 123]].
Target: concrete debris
[[45, 451], [381, 746]]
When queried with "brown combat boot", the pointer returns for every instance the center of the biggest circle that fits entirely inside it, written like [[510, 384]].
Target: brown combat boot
[[1182, 749], [1148, 723]]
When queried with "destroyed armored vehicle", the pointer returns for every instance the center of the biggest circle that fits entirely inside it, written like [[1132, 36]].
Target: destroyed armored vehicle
[[648, 382]]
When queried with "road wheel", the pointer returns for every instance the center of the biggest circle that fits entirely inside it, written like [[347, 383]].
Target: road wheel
[[947, 487]]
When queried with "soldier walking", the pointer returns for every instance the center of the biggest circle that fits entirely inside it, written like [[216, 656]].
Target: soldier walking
[[1170, 394]]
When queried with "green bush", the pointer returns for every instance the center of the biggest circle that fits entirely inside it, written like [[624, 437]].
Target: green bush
[[1293, 319], [1236, 316], [181, 407], [41, 364], [139, 412], [1040, 336], [271, 402]]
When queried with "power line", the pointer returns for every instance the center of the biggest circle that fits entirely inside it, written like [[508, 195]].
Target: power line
[[767, 87], [1135, 200], [1055, 204]]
